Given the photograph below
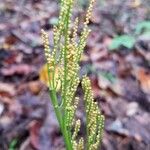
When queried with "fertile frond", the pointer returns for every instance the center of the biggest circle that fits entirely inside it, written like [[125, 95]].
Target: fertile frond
[[63, 69], [94, 119]]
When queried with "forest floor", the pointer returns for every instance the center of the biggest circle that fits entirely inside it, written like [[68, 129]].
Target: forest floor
[[120, 77]]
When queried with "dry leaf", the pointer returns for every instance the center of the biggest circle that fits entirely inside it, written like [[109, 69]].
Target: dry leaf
[[7, 89], [34, 133], [35, 87], [143, 76], [95, 87], [43, 74], [136, 3], [21, 69]]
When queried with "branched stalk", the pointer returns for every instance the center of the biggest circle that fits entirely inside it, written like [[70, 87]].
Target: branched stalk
[[63, 68]]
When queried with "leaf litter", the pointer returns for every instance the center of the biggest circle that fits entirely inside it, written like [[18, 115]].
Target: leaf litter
[[120, 79]]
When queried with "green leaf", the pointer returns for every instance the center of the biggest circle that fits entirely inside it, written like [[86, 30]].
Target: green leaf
[[123, 40], [13, 144], [108, 75], [142, 27], [145, 35]]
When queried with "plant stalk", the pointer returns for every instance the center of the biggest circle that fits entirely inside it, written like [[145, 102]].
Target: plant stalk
[[60, 121]]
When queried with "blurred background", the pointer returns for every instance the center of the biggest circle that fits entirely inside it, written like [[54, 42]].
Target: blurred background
[[116, 58]]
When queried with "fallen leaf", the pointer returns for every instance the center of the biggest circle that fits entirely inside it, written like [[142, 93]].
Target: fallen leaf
[[117, 126], [95, 87], [7, 89], [125, 127], [10, 40], [8, 57], [132, 109], [21, 69], [135, 3], [34, 133], [43, 74], [99, 52], [143, 76], [35, 87]]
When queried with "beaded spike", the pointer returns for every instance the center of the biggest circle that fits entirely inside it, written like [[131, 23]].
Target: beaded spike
[[94, 119], [63, 68]]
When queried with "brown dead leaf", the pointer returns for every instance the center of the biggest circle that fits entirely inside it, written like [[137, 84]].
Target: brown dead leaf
[[143, 76], [99, 52], [95, 87], [10, 40], [7, 90], [35, 87], [93, 38], [43, 74], [21, 69], [34, 133], [9, 57], [6, 100]]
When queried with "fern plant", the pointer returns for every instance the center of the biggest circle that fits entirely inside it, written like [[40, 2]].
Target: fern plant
[[128, 41], [63, 67]]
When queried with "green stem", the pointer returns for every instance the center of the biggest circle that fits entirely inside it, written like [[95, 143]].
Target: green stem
[[66, 132], [62, 119], [55, 105], [59, 118], [67, 140]]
